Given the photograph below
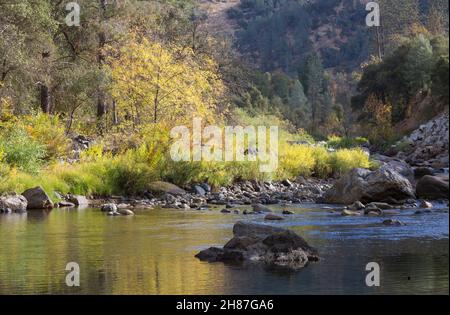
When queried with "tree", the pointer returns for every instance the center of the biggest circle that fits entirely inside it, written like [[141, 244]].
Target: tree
[[298, 110], [398, 18], [313, 80], [153, 83]]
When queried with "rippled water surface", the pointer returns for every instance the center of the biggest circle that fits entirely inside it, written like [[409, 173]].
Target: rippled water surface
[[153, 253]]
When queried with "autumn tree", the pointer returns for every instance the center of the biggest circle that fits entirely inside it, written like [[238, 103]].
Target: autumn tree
[[153, 83]]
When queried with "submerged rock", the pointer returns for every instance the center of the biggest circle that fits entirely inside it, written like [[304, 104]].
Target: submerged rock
[[273, 217], [37, 198], [263, 243], [392, 222]]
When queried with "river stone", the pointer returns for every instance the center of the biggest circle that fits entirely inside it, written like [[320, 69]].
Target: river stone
[[426, 205], [109, 207], [262, 243], [350, 213], [252, 229], [161, 188], [65, 204], [357, 205], [199, 190], [273, 217], [125, 212], [384, 185], [13, 203], [260, 208], [433, 187], [78, 200], [380, 205], [392, 222], [37, 198]]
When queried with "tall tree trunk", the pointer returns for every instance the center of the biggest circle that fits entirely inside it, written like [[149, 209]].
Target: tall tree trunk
[[101, 97], [44, 89], [45, 98], [114, 113]]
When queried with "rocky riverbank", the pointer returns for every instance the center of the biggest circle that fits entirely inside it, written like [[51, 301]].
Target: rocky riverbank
[[403, 180]]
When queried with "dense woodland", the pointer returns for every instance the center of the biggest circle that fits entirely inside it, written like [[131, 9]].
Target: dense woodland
[[134, 69]]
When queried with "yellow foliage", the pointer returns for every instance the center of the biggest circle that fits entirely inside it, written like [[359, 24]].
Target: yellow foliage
[[163, 85]]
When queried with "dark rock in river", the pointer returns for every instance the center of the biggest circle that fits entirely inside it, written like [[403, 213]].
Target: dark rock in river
[[260, 208], [273, 217], [384, 185], [263, 243], [392, 222], [433, 187], [37, 198]]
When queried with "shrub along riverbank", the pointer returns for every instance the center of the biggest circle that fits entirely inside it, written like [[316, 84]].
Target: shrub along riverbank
[[34, 151]]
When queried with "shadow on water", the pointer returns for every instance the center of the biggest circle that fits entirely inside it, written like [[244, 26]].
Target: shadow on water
[[153, 253]]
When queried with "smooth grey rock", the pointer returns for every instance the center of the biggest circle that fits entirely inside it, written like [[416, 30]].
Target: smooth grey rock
[[78, 200], [367, 186], [13, 203]]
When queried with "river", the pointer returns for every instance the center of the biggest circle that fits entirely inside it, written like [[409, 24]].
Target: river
[[153, 253]]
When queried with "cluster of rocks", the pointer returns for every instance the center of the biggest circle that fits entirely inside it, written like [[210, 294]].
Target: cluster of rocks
[[264, 244], [426, 146], [34, 198], [198, 196], [37, 199], [117, 210], [394, 183]]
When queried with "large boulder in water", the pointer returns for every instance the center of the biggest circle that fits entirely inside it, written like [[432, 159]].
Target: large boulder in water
[[263, 243], [37, 199], [13, 203], [433, 187], [383, 185]]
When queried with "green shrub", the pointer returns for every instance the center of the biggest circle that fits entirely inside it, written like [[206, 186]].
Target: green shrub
[[21, 151], [346, 142]]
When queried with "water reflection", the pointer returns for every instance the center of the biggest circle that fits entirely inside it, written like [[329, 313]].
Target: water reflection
[[153, 253]]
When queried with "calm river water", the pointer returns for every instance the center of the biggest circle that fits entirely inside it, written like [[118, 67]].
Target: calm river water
[[153, 253]]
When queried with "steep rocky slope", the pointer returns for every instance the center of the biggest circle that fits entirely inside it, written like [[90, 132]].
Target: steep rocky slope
[[426, 146]]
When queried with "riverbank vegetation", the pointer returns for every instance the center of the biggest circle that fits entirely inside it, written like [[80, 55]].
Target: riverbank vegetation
[[133, 70]]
